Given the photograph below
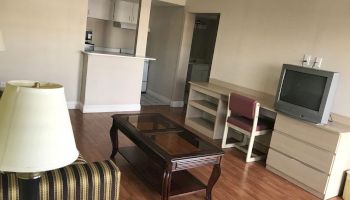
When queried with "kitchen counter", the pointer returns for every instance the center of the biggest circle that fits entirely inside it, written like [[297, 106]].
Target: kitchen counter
[[106, 53], [111, 82]]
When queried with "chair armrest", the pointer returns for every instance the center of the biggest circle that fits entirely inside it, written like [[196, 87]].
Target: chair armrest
[[98, 181]]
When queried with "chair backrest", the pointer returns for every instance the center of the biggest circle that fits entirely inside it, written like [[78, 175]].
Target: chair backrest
[[242, 106]]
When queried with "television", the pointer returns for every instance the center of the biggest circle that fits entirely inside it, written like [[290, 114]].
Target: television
[[306, 93]]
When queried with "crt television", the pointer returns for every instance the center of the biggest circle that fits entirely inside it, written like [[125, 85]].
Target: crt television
[[306, 93]]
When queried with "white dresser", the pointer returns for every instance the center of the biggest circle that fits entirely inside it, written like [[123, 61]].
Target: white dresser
[[314, 157]]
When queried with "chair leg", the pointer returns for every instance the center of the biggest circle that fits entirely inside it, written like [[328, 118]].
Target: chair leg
[[245, 140], [249, 157], [224, 138]]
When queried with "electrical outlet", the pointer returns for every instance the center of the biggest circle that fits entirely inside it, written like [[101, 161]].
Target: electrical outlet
[[307, 60], [2, 84], [318, 62]]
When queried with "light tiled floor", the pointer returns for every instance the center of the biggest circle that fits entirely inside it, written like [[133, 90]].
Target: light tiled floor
[[148, 100]]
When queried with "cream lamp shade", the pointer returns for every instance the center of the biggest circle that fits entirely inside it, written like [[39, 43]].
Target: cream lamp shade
[[35, 130], [2, 43]]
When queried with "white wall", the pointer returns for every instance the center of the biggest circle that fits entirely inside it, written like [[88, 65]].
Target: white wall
[[43, 40], [142, 27], [256, 37], [183, 61]]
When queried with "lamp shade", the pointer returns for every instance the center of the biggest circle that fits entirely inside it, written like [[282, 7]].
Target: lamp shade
[[35, 130], [2, 43]]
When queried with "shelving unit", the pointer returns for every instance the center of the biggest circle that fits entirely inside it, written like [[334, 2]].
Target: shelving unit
[[204, 105], [207, 105], [204, 110], [202, 125]]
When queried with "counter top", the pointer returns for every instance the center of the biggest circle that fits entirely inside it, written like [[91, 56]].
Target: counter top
[[106, 53]]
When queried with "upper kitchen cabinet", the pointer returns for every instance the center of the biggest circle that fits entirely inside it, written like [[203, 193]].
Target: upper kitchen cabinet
[[101, 9], [126, 11]]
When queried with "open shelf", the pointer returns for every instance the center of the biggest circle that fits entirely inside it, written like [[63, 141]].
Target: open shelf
[[205, 106], [203, 125], [182, 182], [206, 110]]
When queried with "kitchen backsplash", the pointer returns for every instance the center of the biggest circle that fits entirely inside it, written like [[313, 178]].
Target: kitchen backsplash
[[107, 36]]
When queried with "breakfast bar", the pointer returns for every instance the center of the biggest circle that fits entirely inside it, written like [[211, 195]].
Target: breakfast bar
[[111, 82]]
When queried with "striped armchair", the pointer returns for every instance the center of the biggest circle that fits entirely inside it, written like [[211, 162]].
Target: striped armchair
[[80, 180]]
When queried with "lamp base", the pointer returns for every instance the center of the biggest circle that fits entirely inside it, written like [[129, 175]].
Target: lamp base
[[28, 186]]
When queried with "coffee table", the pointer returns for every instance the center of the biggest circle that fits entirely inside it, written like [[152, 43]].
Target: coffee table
[[163, 153]]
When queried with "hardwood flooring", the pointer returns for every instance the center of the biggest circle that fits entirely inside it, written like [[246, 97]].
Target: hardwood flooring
[[238, 180]]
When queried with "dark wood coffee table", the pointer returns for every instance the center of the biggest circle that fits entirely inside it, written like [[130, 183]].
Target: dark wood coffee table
[[164, 151]]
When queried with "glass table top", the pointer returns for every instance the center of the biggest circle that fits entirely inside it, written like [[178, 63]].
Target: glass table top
[[176, 143], [166, 135], [150, 122]]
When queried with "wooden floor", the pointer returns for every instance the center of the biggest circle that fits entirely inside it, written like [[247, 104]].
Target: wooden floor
[[238, 180]]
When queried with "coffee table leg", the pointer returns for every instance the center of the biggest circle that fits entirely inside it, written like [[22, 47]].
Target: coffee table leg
[[212, 180], [166, 185], [114, 138]]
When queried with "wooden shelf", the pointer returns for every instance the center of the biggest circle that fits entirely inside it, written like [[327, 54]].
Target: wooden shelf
[[205, 106], [203, 92], [208, 99], [202, 125], [182, 182], [206, 111]]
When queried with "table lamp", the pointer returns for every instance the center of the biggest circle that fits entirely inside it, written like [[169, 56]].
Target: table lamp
[[35, 132], [2, 48], [2, 44]]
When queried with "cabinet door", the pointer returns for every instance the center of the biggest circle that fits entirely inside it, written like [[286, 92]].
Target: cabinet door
[[135, 13], [123, 11], [100, 9]]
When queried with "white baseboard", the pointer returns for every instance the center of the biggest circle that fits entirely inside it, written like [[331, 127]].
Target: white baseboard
[[165, 99], [177, 104], [80, 106], [72, 105], [158, 96], [109, 108]]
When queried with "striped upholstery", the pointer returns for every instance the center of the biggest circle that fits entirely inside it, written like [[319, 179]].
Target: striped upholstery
[[95, 181], [79, 160]]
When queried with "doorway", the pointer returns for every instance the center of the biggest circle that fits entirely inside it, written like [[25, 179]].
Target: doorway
[[166, 25], [202, 49]]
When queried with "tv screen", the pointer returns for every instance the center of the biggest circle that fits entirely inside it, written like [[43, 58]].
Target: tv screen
[[306, 93], [302, 89]]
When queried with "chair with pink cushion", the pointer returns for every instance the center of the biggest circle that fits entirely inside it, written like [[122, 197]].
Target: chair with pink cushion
[[243, 117]]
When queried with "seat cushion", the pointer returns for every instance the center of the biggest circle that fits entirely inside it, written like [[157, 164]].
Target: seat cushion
[[247, 124], [98, 181]]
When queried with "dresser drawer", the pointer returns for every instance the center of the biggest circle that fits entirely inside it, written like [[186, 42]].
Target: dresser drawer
[[309, 133], [298, 171], [306, 153]]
